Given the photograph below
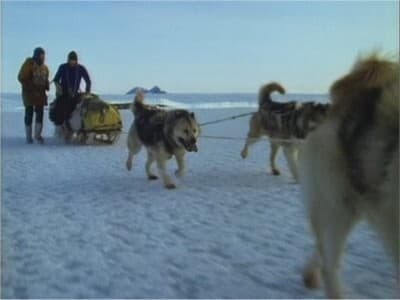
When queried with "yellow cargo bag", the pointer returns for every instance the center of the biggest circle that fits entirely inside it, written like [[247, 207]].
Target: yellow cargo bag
[[100, 116]]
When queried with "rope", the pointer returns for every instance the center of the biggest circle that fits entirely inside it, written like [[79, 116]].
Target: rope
[[232, 138], [226, 119]]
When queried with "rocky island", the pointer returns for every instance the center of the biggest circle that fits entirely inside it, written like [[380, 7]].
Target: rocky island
[[153, 90]]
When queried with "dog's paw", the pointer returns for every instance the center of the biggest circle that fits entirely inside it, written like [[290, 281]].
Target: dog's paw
[[276, 172], [129, 165], [170, 186], [152, 177], [243, 154], [311, 278], [179, 173]]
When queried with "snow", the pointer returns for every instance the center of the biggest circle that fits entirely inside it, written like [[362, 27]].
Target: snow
[[76, 223]]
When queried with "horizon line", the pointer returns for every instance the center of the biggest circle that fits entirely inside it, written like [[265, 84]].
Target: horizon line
[[168, 93]]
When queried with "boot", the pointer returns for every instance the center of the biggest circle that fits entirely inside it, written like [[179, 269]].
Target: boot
[[38, 133], [28, 133]]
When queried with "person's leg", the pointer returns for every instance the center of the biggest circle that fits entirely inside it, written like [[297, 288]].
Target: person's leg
[[59, 116], [59, 111], [39, 114], [70, 105], [39, 124], [28, 123]]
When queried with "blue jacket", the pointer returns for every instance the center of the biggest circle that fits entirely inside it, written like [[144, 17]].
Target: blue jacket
[[70, 78]]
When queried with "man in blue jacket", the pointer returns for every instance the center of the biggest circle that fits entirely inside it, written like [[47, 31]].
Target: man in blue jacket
[[68, 80]]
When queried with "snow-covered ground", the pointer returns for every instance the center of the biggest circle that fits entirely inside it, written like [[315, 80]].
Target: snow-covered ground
[[76, 224]]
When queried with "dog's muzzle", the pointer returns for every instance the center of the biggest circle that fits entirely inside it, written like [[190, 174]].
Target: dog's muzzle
[[190, 146]]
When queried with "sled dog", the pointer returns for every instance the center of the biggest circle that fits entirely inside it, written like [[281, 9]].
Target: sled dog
[[164, 133], [282, 121], [349, 167]]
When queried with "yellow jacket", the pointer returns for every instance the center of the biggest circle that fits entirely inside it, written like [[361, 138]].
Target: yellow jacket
[[34, 79]]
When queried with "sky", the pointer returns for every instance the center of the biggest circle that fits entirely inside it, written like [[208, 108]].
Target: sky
[[205, 46]]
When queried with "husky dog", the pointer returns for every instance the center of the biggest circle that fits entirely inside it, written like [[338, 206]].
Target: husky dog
[[282, 121], [164, 133], [350, 167]]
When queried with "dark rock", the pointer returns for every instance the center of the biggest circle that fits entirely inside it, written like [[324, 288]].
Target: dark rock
[[156, 90], [153, 90], [136, 89]]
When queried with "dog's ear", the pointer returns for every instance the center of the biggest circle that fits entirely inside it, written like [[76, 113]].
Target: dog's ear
[[192, 115]]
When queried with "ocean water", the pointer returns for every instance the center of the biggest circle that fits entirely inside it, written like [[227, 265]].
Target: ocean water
[[13, 102]]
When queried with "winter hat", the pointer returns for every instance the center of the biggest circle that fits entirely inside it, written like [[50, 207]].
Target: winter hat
[[37, 52], [72, 56], [36, 55]]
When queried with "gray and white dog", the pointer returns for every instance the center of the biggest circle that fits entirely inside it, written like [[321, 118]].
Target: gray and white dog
[[164, 133], [283, 122], [350, 167]]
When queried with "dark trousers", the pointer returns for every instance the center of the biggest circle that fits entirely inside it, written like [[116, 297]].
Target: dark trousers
[[64, 108], [29, 114]]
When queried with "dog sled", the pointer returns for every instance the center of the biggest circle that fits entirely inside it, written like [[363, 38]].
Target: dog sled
[[92, 122]]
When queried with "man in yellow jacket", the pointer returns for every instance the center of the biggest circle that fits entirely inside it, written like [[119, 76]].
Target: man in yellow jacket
[[34, 78]]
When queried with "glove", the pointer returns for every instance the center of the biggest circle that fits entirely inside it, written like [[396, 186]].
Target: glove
[[58, 89]]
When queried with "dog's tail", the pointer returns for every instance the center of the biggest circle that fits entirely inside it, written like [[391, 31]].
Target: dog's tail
[[137, 104], [265, 92], [369, 75]]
